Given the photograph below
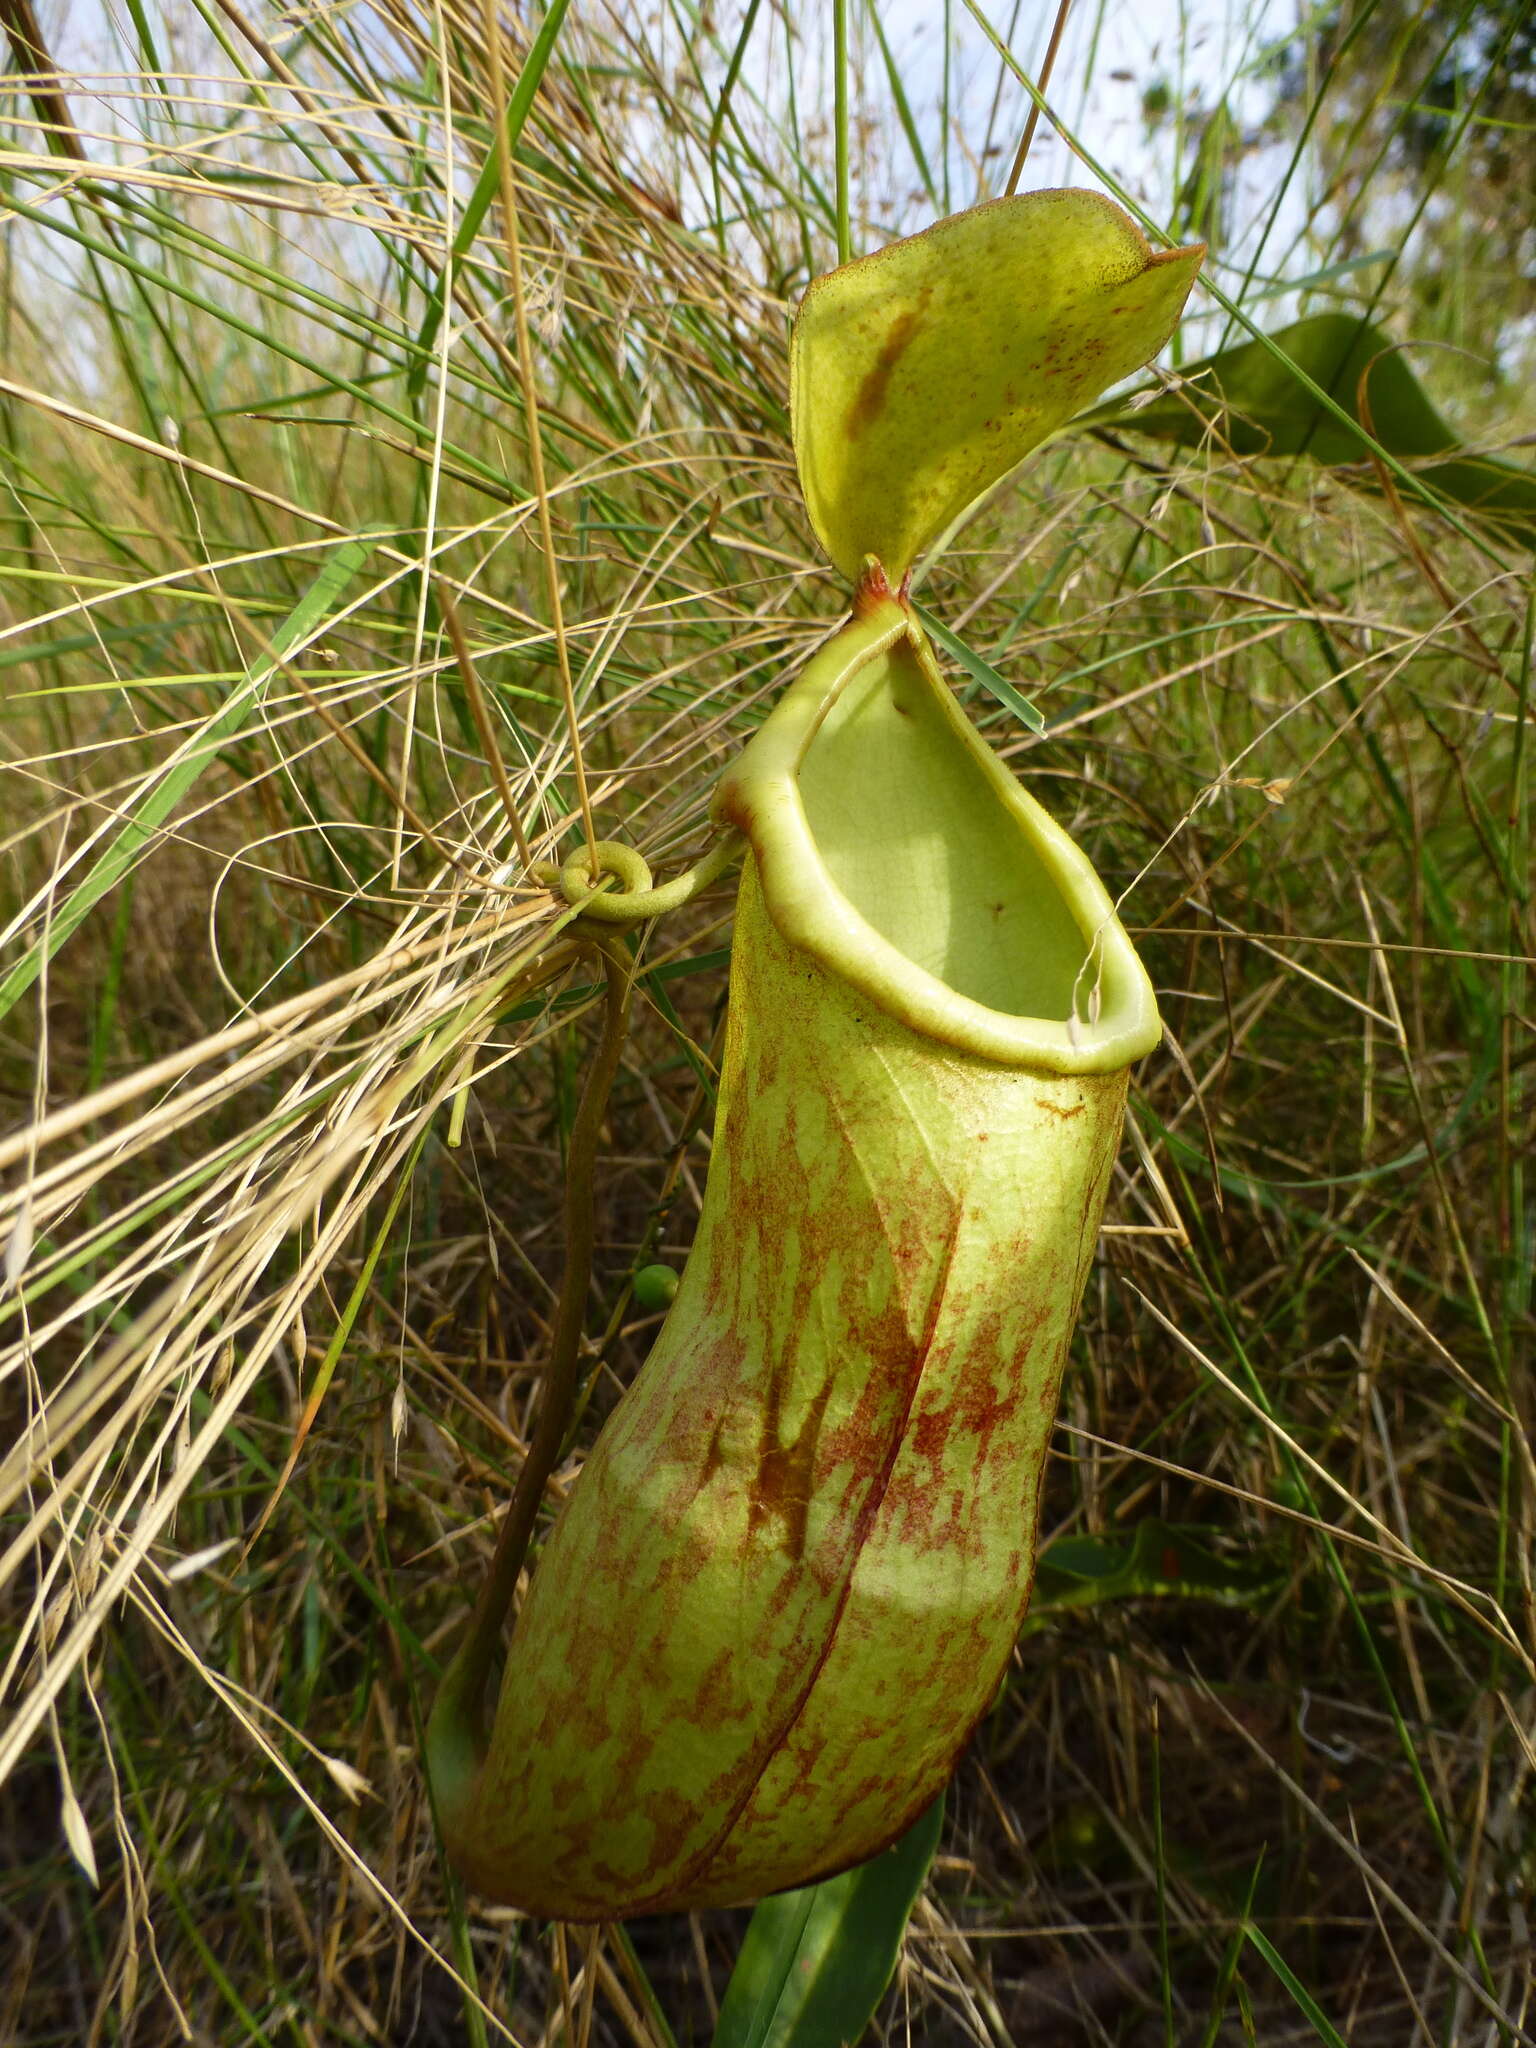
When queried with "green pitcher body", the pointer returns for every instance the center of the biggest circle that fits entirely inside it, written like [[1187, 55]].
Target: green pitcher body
[[788, 1581]]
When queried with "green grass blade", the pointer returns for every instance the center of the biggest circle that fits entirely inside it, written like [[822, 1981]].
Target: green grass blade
[[1231, 1957], [733, 72], [903, 107], [1316, 2018], [144, 823], [478, 205], [981, 671]]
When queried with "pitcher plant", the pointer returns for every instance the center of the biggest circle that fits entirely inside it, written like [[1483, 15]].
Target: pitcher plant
[[789, 1578]]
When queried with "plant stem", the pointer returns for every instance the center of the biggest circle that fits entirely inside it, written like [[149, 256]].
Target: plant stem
[[454, 1735]]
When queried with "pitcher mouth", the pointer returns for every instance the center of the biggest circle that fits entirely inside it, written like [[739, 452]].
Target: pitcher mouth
[[896, 850]]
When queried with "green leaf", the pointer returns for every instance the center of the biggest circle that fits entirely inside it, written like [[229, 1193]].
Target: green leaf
[[815, 1962], [148, 814], [1252, 395], [981, 671], [1156, 1560], [921, 375]]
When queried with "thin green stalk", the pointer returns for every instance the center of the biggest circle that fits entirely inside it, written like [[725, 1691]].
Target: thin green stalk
[[840, 124]]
